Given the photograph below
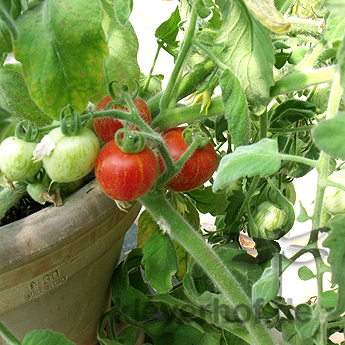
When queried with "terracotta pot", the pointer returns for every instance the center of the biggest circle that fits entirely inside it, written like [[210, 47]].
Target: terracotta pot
[[56, 265]]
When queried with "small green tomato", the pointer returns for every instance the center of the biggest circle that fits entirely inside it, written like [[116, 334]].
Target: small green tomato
[[16, 159], [334, 199], [268, 218], [73, 156]]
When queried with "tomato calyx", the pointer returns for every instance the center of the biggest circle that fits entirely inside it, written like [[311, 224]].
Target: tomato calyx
[[192, 133], [129, 141], [26, 130]]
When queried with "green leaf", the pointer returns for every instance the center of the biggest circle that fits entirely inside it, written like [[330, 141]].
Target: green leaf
[[45, 337], [62, 47], [160, 261], [328, 135], [303, 216], [16, 100], [187, 334], [248, 52], [305, 273], [290, 333], [123, 10], [336, 6], [202, 9], [335, 28], [266, 12], [267, 287], [209, 202], [147, 227], [336, 257], [232, 339], [307, 322], [329, 299], [261, 158], [7, 122], [291, 111], [129, 301], [122, 64], [11, 10], [168, 30], [236, 109]]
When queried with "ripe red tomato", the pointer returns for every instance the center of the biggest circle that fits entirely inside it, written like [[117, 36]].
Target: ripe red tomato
[[125, 176], [106, 127], [199, 167]]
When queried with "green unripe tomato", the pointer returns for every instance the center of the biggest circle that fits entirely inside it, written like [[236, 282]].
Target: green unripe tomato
[[73, 156], [268, 218], [16, 161], [334, 199]]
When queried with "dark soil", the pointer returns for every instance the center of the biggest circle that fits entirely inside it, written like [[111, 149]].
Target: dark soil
[[22, 209]]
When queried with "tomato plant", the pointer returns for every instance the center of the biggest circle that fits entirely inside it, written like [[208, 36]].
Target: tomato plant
[[264, 81], [198, 168], [125, 176], [106, 127]]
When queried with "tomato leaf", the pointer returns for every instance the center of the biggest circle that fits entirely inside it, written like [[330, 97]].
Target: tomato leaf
[[123, 10], [336, 257], [168, 30], [290, 333], [16, 100], [307, 321], [328, 135], [267, 287], [335, 6], [147, 227], [122, 65], [9, 11], [248, 51], [128, 300], [45, 337], [335, 28], [236, 109], [291, 111], [202, 9], [7, 122], [305, 273], [303, 216], [62, 47], [209, 202], [266, 12], [261, 158], [161, 262]]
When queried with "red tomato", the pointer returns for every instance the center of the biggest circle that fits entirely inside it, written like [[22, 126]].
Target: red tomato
[[199, 167], [106, 127], [125, 176]]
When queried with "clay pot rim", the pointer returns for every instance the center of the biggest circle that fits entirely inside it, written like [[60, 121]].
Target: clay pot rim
[[35, 236]]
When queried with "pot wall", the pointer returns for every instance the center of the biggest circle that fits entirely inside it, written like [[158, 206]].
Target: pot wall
[[56, 265]]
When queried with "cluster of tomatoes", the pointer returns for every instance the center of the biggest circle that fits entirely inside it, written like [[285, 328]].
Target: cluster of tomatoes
[[127, 176], [122, 175]]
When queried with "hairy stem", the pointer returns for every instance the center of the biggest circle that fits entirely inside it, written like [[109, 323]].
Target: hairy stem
[[169, 96], [302, 79], [8, 336]]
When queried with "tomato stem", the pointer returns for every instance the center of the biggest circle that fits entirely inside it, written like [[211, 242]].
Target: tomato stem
[[168, 99], [8, 336]]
